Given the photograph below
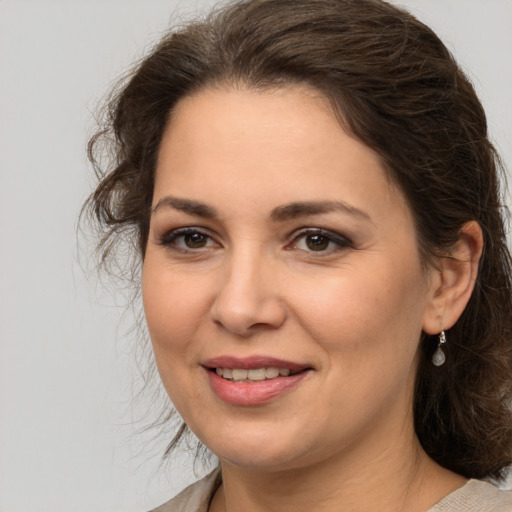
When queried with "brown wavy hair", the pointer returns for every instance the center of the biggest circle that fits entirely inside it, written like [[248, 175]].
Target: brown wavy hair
[[395, 87]]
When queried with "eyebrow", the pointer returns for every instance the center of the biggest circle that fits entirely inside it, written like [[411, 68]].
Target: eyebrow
[[279, 214], [305, 208], [187, 206]]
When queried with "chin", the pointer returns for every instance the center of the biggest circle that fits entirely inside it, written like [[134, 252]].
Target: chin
[[258, 459], [260, 448]]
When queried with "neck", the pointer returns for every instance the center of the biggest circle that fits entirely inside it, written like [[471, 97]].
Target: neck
[[390, 477]]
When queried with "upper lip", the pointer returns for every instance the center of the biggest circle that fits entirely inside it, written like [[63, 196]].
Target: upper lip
[[253, 362]]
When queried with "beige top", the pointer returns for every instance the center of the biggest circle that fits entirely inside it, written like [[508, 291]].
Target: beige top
[[474, 496]]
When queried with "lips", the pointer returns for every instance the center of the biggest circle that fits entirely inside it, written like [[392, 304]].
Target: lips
[[255, 380], [254, 362], [253, 375]]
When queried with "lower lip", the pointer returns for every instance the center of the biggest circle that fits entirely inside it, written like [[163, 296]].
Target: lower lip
[[253, 393]]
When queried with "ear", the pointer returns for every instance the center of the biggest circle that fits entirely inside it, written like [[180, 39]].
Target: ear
[[453, 281]]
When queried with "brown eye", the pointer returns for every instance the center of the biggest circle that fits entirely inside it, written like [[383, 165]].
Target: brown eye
[[195, 240], [320, 241], [187, 239], [317, 242]]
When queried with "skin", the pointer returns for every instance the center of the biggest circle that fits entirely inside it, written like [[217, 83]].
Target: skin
[[244, 281]]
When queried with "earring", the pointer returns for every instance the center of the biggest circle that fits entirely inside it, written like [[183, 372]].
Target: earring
[[439, 358]]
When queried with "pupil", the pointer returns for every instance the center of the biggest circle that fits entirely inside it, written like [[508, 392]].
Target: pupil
[[195, 240], [317, 242]]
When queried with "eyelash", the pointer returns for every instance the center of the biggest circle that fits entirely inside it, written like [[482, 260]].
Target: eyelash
[[169, 239], [341, 242]]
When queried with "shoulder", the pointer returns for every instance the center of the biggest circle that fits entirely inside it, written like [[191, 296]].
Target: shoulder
[[194, 498], [475, 496]]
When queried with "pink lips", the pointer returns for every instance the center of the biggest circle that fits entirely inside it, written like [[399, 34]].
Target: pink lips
[[253, 393]]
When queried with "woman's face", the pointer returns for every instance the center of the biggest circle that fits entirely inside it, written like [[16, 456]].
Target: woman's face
[[278, 245]]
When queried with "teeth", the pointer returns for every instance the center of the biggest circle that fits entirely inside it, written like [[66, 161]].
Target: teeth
[[271, 373], [239, 374], [255, 374]]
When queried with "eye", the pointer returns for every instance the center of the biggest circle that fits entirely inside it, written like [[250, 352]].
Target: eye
[[186, 239], [316, 242], [319, 240], [194, 240]]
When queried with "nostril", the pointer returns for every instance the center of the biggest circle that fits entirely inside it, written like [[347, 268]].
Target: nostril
[[247, 318]]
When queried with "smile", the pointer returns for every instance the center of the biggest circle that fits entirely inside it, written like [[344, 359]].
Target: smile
[[255, 380], [254, 375]]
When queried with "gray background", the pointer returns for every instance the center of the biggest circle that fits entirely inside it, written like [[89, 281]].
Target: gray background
[[66, 365]]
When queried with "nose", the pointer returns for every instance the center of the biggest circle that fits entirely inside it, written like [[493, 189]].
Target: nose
[[248, 298]]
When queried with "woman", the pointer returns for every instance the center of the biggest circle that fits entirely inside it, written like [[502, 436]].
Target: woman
[[325, 275]]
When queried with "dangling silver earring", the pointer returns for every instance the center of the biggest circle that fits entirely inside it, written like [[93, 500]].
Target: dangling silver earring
[[439, 358]]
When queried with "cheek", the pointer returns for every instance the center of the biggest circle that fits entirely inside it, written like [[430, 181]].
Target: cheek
[[362, 313], [368, 328], [173, 307]]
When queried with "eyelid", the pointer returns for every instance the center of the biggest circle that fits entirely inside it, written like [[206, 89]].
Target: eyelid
[[168, 237], [340, 240]]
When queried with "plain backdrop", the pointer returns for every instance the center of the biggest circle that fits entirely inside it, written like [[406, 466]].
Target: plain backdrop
[[66, 363]]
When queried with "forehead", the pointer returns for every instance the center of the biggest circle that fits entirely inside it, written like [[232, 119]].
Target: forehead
[[251, 117], [281, 145]]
